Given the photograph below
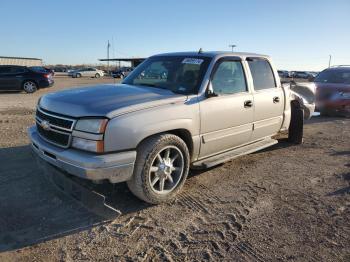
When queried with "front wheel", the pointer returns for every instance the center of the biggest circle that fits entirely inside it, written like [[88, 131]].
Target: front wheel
[[97, 75], [30, 87], [161, 168], [78, 75]]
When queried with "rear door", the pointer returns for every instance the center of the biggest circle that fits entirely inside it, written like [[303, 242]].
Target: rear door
[[268, 99], [227, 119], [84, 72]]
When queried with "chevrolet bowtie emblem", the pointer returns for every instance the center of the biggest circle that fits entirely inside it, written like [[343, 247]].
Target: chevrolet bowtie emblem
[[45, 125]]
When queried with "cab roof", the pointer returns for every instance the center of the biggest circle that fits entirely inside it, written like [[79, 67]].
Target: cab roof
[[214, 54]]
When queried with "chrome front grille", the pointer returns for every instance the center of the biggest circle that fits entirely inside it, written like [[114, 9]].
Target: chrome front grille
[[54, 129]]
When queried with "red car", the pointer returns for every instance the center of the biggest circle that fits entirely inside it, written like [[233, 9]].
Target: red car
[[333, 91]]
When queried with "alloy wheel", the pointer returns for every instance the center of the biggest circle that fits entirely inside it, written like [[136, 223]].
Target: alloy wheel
[[166, 170]]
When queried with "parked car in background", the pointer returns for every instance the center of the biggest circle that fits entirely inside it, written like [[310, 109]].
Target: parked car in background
[[122, 72], [42, 69], [89, 72], [333, 91], [16, 78], [210, 107], [60, 69], [302, 75], [283, 73], [313, 73]]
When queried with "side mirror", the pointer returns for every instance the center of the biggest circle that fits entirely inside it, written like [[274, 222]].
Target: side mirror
[[210, 91]]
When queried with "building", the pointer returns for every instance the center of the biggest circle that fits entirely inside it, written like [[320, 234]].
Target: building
[[23, 61], [134, 61]]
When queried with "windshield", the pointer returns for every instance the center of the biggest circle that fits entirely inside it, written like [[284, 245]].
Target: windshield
[[334, 77], [179, 74]]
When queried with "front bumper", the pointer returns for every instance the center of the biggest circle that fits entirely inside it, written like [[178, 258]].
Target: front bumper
[[337, 107], [115, 167]]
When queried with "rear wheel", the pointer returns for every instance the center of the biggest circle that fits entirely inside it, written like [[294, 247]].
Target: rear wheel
[[296, 127], [30, 87], [161, 168]]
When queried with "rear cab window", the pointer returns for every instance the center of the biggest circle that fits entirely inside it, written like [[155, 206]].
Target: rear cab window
[[262, 74]]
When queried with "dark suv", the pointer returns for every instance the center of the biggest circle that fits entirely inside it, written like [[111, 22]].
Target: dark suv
[[16, 78]]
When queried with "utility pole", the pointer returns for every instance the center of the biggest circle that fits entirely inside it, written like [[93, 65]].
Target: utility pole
[[329, 61], [232, 46], [108, 46]]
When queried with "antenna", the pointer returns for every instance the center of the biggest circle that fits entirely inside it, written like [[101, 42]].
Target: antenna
[[108, 46], [232, 46]]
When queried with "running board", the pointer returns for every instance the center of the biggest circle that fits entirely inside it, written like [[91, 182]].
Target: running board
[[226, 156]]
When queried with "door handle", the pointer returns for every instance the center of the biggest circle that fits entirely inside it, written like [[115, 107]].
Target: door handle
[[276, 99], [248, 103]]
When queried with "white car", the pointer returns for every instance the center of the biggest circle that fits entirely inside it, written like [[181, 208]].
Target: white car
[[90, 72]]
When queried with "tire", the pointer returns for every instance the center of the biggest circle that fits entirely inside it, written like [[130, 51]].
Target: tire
[[29, 86], [97, 75], [149, 171], [296, 127], [78, 75], [121, 76]]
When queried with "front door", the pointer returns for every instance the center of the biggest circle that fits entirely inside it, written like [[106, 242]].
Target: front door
[[227, 119], [268, 99]]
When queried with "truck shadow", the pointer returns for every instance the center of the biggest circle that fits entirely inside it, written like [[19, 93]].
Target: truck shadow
[[34, 210]]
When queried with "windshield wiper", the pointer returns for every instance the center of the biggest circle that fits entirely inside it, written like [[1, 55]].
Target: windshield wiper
[[151, 85], [160, 87]]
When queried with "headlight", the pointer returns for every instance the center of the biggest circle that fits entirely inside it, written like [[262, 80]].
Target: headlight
[[88, 145], [91, 125], [88, 134]]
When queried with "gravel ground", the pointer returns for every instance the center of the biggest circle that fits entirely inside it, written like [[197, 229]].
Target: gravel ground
[[283, 203]]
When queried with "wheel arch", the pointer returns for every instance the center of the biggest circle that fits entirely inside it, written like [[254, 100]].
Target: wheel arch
[[30, 79], [182, 133]]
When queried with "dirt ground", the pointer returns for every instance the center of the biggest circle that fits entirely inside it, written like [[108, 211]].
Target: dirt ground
[[284, 203]]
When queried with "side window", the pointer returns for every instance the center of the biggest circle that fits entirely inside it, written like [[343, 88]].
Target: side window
[[17, 70], [229, 78], [262, 74], [5, 69]]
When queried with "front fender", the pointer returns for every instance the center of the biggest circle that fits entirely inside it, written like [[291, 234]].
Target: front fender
[[127, 131]]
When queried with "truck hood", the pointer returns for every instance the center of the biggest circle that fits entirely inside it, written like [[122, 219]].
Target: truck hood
[[107, 100]]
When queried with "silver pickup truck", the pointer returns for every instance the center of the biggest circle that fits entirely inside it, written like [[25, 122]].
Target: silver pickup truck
[[195, 110]]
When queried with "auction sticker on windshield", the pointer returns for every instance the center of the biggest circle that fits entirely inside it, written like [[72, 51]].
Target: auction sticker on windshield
[[192, 61]]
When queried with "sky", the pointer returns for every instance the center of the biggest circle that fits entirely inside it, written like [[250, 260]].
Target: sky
[[298, 35]]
